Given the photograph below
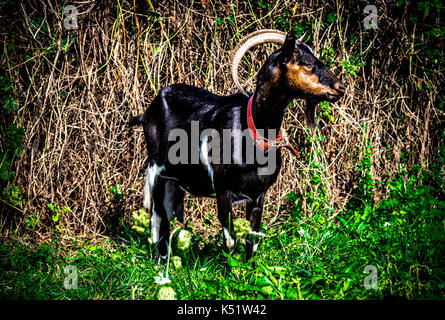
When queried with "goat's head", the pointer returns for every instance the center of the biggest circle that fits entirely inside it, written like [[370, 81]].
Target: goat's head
[[307, 75], [294, 66]]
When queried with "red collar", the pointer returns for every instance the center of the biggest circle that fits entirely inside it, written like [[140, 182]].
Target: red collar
[[262, 143]]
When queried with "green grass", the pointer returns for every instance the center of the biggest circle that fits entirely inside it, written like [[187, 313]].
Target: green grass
[[403, 236]]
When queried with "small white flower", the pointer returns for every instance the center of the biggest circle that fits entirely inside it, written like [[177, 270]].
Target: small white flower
[[166, 293], [184, 238], [161, 279], [177, 262], [386, 224]]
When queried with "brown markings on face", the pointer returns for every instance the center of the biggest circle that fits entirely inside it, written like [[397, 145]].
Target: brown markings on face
[[337, 85], [301, 78]]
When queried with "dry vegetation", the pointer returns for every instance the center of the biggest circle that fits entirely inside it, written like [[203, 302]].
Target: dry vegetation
[[76, 89]]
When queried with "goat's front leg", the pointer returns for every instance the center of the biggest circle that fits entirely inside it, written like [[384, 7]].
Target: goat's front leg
[[225, 218], [254, 211]]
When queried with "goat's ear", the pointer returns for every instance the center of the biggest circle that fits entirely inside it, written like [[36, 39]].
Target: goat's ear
[[288, 48]]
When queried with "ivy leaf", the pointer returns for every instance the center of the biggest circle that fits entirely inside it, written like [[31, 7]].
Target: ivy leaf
[[9, 104]]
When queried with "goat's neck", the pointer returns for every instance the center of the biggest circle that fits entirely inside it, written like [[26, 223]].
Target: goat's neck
[[268, 106]]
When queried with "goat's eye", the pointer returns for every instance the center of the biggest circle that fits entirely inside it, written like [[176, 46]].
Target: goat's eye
[[310, 67]]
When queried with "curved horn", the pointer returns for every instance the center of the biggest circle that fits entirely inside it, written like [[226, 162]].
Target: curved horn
[[253, 39], [302, 37]]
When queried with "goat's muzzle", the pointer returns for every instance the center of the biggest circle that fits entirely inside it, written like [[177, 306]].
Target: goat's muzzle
[[339, 92]]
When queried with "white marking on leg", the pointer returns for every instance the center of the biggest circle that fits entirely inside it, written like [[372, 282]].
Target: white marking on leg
[[204, 154], [150, 176], [230, 242], [237, 135], [165, 256], [255, 247], [237, 146], [155, 225]]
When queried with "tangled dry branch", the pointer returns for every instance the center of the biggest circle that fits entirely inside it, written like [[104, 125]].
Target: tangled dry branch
[[76, 90]]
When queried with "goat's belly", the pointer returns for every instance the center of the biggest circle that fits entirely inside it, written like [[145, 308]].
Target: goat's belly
[[195, 179], [200, 180]]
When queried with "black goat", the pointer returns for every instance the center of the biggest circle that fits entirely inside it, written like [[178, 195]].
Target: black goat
[[291, 72]]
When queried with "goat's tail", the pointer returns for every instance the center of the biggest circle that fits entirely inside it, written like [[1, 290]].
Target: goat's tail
[[137, 120]]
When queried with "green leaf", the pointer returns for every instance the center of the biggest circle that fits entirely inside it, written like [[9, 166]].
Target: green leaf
[[347, 284], [5, 83], [263, 281], [9, 104]]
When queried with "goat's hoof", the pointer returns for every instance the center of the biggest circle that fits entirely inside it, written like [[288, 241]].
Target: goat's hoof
[[159, 259]]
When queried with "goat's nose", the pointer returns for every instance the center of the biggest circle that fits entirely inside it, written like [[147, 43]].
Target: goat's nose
[[340, 88]]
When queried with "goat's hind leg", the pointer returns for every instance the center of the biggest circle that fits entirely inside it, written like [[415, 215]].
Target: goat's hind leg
[[167, 201], [160, 226], [153, 202]]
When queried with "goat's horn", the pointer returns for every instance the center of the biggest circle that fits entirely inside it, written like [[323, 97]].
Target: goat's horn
[[302, 37], [253, 39]]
